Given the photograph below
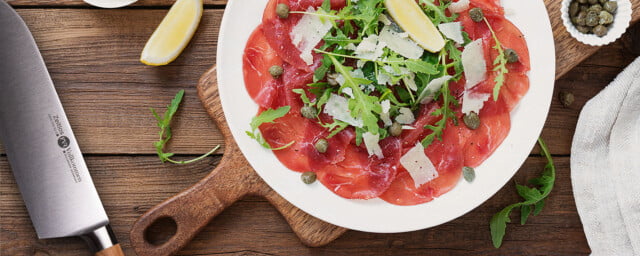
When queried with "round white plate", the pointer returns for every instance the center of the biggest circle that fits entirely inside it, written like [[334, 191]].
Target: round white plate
[[242, 16]]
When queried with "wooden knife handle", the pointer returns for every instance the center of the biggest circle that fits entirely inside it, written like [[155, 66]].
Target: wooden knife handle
[[115, 250], [191, 210]]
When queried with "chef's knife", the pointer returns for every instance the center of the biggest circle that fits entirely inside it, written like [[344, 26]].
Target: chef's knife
[[43, 153]]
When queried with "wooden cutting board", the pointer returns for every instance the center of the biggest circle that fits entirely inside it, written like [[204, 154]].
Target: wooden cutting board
[[233, 178]]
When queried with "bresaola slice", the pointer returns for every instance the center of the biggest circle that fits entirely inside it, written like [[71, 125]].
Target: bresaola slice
[[257, 59]]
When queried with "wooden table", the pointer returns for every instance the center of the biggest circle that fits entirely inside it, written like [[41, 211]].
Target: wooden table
[[92, 55]]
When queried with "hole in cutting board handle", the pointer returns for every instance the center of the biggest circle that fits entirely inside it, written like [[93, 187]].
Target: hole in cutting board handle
[[160, 231]]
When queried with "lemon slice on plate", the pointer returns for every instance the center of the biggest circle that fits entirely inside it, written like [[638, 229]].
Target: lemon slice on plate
[[411, 18], [173, 34]]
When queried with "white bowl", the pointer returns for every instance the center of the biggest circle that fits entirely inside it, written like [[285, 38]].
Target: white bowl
[[620, 24]]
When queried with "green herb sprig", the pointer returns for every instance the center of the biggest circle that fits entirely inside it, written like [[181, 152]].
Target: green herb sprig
[[164, 123], [534, 198], [267, 116], [500, 63]]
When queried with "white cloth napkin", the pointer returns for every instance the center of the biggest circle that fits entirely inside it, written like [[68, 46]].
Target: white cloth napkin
[[605, 166]]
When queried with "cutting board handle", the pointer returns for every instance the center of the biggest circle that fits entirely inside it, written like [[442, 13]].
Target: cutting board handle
[[191, 210]]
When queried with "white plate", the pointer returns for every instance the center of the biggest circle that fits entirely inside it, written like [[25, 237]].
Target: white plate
[[527, 120]]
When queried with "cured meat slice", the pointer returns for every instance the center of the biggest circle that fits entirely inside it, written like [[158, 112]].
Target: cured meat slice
[[360, 176], [479, 144], [277, 30], [335, 151], [257, 59], [446, 156], [284, 130]]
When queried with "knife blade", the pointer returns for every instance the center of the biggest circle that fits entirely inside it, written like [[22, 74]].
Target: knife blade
[[43, 153]]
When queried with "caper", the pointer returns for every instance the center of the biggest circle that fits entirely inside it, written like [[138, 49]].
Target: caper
[[308, 177], [581, 19], [476, 14], [322, 145], [582, 1], [566, 98], [584, 8], [574, 8], [471, 120], [282, 10], [610, 6], [512, 56], [595, 7], [592, 19], [332, 79], [605, 18], [592, 1], [468, 173], [603, 1], [600, 30], [583, 29], [309, 112], [395, 129], [276, 71]]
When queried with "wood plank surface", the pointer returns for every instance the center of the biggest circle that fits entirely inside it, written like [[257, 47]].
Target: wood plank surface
[[131, 185], [92, 55]]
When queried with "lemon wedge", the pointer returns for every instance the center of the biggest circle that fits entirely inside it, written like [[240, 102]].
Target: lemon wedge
[[173, 34], [411, 18]]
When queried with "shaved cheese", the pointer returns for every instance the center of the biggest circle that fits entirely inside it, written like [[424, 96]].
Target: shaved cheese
[[418, 165], [400, 43], [371, 142], [452, 30], [348, 91], [405, 116], [338, 107], [410, 81], [308, 33], [384, 116], [475, 68], [459, 6], [473, 101], [370, 48], [432, 87], [408, 127]]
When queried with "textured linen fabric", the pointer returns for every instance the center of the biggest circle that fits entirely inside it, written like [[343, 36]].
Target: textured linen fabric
[[605, 166]]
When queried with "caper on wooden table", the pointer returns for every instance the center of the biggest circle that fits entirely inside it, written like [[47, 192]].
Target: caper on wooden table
[[592, 16]]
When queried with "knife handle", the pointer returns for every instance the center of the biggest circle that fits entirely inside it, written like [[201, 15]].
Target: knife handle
[[103, 242], [115, 250]]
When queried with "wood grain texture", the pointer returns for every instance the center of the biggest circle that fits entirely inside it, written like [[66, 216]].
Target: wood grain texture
[[130, 185], [232, 179], [93, 57]]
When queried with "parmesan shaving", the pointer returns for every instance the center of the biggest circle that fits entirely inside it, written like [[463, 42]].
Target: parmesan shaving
[[432, 87], [475, 68], [308, 33], [371, 142], [459, 6], [338, 107], [400, 43], [473, 101], [452, 30], [420, 168], [405, 116]]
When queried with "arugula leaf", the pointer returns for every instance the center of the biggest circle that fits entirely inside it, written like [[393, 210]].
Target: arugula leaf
[[164, 123], [500, 63], [267, 116], [533, 196], [303, 96], [419, 66]]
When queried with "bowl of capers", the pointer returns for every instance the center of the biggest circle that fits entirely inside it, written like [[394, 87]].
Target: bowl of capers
[[596, 22]]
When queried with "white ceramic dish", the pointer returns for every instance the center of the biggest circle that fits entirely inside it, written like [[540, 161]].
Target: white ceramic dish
[[620, 24], [240, 19]]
